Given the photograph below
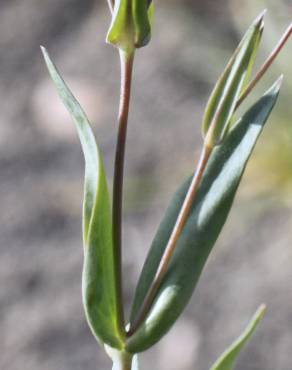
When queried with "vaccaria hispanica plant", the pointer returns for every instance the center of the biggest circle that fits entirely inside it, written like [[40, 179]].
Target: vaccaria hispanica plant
[[197, 212]]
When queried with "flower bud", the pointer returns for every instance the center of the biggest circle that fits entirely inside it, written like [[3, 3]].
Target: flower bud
[[130, 27]]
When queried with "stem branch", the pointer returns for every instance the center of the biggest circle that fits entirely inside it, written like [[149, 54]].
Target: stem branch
[[126, 80], [176, 232]]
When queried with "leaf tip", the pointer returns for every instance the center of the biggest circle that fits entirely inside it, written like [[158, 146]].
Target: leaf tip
[[261, 310], [261, 16], [279, 81], [275, 88], [259, 21], [43, 50], [46, 56]]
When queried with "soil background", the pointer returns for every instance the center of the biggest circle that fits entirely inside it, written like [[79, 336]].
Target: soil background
[[42, 323]]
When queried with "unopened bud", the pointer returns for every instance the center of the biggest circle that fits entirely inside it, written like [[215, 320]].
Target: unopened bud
[[130, 27]]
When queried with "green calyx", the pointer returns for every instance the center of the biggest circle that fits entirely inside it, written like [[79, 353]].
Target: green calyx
[[131, 24]]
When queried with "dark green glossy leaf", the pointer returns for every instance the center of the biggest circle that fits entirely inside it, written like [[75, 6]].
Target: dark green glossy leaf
[[130, 27], [99, 284], [222, 102], [208, 215], [227, 360]]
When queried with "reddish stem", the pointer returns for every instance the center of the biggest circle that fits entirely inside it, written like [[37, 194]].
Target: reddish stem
[[266, 65], [176, 232], [126, 80]]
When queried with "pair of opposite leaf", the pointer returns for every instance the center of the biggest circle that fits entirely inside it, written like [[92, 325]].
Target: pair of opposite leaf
[[231, 149]]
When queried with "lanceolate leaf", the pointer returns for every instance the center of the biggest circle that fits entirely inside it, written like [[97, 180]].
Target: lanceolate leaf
[[227, 360], [220, 107], [208, 214], [99, 282], [87, 140]]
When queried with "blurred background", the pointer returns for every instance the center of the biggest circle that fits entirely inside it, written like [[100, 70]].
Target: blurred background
[[42, 324]]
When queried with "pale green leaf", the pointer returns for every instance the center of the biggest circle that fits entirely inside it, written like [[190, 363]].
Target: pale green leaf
[[227, 360], [99, 281], [222, 102]]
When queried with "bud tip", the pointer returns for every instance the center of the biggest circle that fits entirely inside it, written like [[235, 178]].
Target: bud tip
[[259, 21]]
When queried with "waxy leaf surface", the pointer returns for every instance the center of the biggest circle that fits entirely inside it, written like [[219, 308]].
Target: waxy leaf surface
[[209, 211], [99, 281], [227, 360]]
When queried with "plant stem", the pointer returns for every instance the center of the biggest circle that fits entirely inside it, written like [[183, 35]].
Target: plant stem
[[176, 232], [266, 65], [123, 362], [126, 80]]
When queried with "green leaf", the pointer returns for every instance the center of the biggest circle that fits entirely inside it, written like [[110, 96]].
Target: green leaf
[[99, 280], [221, 105], [150, 13], [130, 27], [227, 360], [207, 217]]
